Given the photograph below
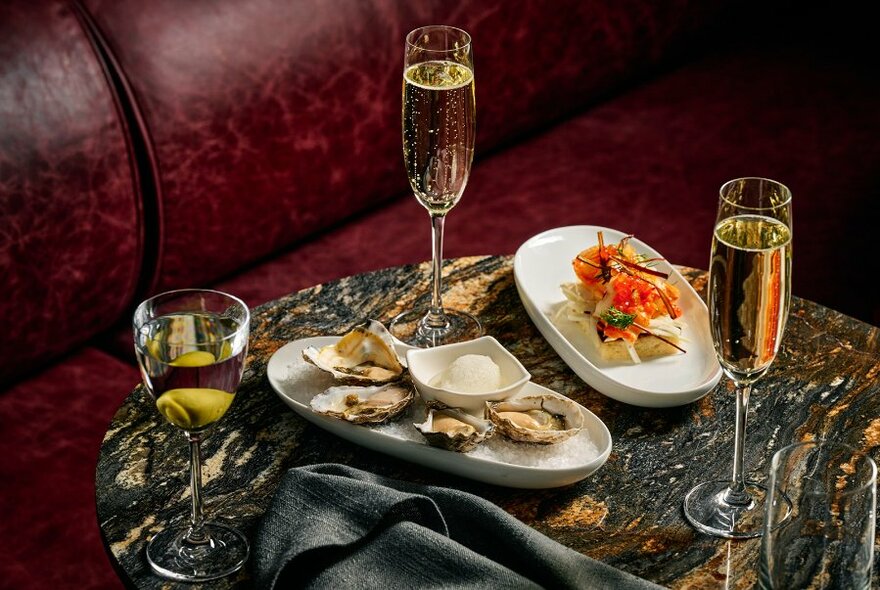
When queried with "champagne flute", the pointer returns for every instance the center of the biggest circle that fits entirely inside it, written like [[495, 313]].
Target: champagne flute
[[438, 148], [749, 295], [191, 346]]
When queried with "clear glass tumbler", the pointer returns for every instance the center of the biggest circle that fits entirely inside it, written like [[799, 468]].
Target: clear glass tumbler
[[827, 541]]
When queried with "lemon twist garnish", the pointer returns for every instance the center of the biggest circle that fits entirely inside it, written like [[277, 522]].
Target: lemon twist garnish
[[194, 358], [194, 407]]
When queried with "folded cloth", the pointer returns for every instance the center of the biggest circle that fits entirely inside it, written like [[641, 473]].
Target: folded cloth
[[332, 526]]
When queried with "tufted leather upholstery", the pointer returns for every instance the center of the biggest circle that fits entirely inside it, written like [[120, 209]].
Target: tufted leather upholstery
[[271, 120], [70, 232], [51, 428]]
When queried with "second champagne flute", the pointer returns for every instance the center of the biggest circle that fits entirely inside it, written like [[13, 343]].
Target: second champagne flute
[[749, 293], [438, 147]]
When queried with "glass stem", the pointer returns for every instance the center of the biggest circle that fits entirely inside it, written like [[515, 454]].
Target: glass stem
[[436, 318], [736, 493], [196, 533]]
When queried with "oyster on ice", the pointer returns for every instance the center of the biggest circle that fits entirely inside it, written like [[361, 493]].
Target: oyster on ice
[[364, 405], [454, 430], [542, 419], [365, 355]]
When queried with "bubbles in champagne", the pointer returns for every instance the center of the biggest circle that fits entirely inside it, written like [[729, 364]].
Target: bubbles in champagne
[[438, 131], [749, 292]]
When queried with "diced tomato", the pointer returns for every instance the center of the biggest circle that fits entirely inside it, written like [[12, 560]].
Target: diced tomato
[[635, 292]]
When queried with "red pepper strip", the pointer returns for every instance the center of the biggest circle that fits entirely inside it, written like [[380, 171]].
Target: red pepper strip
[[606, 270], [587, 262], [647, 331], [640, 268]]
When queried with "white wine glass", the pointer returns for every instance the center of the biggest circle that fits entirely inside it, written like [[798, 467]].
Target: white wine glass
[[438, 149], [749, 295], [191, 346]]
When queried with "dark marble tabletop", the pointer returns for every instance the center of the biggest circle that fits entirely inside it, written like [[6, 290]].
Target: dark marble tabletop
[[824, 383]]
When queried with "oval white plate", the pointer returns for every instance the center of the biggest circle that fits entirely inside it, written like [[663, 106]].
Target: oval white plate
[[296, 382], [543, 263]]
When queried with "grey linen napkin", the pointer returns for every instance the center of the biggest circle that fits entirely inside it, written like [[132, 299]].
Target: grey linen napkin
[[332, 526]]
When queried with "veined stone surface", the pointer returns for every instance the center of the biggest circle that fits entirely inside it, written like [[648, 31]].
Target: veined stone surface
[[825, 383]]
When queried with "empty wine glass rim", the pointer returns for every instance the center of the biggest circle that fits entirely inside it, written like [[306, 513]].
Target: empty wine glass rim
[[786, 191], [412, 34], [872, 465], [177, 292]]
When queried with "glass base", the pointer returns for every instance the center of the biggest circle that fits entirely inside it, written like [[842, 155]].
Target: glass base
[[415, 329], [224, 552], [713, 509]]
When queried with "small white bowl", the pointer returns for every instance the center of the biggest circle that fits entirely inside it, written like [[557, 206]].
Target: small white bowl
[[426, 363]]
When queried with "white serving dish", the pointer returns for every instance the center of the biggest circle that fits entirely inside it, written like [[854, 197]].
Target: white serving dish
[[425, 363], [543, 263], [296, 382]]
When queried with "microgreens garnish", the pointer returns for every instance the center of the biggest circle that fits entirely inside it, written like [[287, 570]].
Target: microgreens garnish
[[619, 319]]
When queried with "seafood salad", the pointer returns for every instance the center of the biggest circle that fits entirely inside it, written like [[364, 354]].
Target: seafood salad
[[626, 307]]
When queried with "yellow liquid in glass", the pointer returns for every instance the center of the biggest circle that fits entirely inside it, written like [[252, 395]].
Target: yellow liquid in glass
[[191, 408], [194, 407]]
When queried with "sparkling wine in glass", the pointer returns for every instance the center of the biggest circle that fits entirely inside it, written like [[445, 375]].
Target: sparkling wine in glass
[[438, 149], [191, 346], [749, 295]]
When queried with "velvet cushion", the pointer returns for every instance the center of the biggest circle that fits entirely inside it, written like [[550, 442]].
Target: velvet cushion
[[51, 428], [269, 120], [651, 162], [70, 234]]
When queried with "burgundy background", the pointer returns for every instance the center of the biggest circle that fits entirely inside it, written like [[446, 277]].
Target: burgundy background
[[273, 120], [255, 147]]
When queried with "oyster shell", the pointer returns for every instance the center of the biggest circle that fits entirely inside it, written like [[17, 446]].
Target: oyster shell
[[364, 405], [542, 419], [454, 430], [365, 355]]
